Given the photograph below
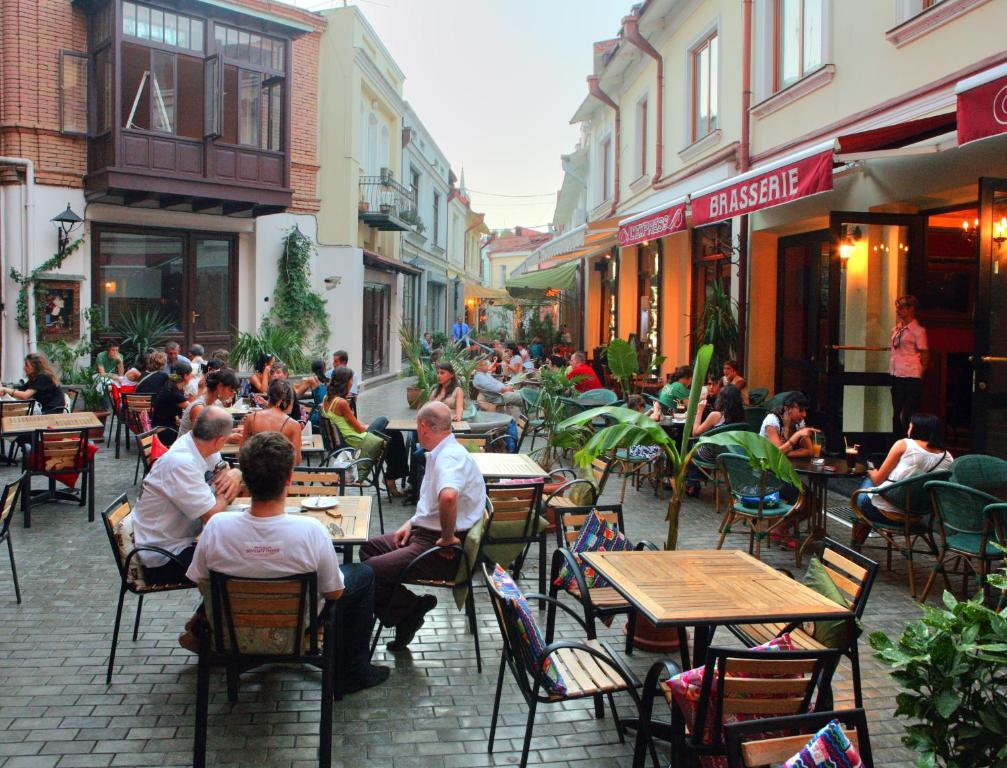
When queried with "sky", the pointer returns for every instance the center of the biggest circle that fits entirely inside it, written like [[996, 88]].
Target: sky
[[496, 82]]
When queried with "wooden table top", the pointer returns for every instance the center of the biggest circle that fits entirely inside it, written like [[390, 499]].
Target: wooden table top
[[354, 516], [312, 444], [710, 587], [409, 425], [79, 420], [508, 465]]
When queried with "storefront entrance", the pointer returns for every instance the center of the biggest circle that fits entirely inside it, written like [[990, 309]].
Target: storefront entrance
[[990, 359], [190, 278], [377, 320]]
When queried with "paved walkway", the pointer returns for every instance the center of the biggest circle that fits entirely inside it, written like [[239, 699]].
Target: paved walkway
[[55, 709]]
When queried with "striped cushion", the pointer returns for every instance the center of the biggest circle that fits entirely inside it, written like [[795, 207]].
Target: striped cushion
[[829, 748]]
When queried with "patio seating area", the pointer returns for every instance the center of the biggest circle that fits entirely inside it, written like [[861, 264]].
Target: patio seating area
[[437, 710]]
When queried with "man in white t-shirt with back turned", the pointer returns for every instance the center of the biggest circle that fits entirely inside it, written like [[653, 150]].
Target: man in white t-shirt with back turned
[[452, 500], [266, 542]]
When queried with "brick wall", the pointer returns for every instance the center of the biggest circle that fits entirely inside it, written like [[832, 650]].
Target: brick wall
[[32, 34]]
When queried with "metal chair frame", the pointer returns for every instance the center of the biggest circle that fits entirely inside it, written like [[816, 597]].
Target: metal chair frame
[[799, 730], [82, 467], [8, 503], [22, 408]]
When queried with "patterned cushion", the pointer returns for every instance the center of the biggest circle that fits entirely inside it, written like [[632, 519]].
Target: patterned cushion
[[596, 535], [685, 689], [531, 636], [257, 640], [124, 539], [829, 748]]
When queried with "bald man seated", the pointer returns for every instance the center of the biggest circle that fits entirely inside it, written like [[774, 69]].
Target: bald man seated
[[452, 500]]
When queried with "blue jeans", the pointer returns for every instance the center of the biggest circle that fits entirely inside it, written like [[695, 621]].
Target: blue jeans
[[866, 506], [357, 608]]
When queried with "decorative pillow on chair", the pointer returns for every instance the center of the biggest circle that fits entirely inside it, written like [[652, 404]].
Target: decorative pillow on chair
[[528, 627], [157, 449], [685, 689], [125, 541], [596, 535], [829, 748], [831, 634]]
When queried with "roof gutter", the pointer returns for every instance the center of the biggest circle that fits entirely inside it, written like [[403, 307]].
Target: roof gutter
[[631, 26], [595, 90]]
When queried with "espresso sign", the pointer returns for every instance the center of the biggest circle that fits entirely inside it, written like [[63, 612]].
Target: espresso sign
[[664, 222], [792, 181], [982, 106]]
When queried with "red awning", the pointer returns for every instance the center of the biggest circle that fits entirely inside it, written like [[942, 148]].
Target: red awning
[[898, 135], [385, 264], [655, 223], [783, 181], [982, 105]]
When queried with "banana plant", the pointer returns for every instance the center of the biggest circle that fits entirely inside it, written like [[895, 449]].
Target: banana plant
[[633, 428]]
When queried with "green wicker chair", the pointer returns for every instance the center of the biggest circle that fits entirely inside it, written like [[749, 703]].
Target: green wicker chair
[[903, 530], [755, 415], [776, 400], [969, 522], [595, 397], [709, 469], [748, 503], [532, 397], [984, 473], [757, 395]]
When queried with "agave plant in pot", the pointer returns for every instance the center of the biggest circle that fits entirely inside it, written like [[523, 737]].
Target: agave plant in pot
[[628, 428], [421, 369]]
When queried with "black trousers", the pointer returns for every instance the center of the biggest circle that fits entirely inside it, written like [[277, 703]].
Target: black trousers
[[907, 393]]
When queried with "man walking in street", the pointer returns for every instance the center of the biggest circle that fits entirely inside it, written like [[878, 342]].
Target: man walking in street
[[460, 332]]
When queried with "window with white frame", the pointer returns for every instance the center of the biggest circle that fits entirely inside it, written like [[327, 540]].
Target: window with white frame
[[799, 38], [605, 165], [704, 68], [641, 138]]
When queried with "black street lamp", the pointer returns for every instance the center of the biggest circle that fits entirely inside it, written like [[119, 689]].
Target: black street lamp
[[65, 223]]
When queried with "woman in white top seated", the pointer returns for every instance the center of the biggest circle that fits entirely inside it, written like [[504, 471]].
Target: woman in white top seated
[[921, 451]]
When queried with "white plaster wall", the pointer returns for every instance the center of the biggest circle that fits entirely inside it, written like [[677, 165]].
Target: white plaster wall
[[48, 201]]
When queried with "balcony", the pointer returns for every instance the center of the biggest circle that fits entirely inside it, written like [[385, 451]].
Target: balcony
[[385, 204]]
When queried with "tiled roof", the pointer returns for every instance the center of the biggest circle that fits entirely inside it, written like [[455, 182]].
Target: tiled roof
[[527, 240]]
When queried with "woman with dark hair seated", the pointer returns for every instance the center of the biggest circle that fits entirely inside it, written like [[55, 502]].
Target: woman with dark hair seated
[[336, 408], [258, 382], [275, 417], [169, 403], [449, 390], [727, 409], [920, 451], [785, 428]]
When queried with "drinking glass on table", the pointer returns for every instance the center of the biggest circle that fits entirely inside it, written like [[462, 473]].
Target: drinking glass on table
[[817, 438]]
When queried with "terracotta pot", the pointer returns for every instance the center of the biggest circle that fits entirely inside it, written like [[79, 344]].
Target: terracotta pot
[[650, 638], [414, 396]]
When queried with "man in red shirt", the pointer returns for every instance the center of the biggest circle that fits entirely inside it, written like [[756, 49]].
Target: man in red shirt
[[586, 378]]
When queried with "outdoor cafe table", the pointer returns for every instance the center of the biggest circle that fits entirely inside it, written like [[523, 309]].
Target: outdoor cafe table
[[816, 479], [409, 425], [354, 519], [705, 589], [310, 446], [507, 465], [24, 424]]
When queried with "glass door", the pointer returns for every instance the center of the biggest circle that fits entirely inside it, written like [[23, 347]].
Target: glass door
[[802, 319], [868, 271], [989, 403], [377, 306], [210, 308]]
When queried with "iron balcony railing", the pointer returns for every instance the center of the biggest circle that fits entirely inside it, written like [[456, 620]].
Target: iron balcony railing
[[383, 195]]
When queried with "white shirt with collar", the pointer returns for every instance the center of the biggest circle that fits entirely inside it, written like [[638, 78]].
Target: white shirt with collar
[[449, 465], [175, 496]]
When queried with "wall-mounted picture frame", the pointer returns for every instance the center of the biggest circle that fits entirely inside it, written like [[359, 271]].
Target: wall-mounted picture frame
[[57, 303]]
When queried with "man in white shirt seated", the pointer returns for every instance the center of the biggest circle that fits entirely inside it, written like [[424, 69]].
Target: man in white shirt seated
[[265, 542], [452, 500], [492, 389], [185, 488]]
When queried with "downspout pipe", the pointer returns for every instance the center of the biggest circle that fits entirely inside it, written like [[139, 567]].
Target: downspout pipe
[[595, 90], [27, 235], [631, 27], [744, 163]]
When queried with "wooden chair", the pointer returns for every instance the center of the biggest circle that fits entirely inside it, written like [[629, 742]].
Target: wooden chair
[[761, 517], [516, 521], [589, 669], [332, 439], [774, 740], [314, 481], [145, 452], [135, 415], [8, 503], [853, 575], [972, 526], [59, 455], [589, 489], [913, 520], [461, 581], [749, 684], [118, 521], [242, 613], [8, 409], [597, 603]]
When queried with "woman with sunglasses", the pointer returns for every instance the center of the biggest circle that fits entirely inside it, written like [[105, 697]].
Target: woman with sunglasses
[[909, 355]]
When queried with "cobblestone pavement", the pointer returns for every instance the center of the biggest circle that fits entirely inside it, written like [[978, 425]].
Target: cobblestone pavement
[[55, 709]]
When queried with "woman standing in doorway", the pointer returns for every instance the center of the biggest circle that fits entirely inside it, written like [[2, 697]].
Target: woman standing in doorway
[[909, 355]]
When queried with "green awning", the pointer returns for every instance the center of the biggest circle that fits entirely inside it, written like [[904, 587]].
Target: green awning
[[533, 285]]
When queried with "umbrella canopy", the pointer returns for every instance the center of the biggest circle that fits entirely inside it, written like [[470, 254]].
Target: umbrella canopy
[[536, 285]]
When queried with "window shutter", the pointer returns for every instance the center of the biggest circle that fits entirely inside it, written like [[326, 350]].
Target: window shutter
[[213, 96], [73, 76]]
